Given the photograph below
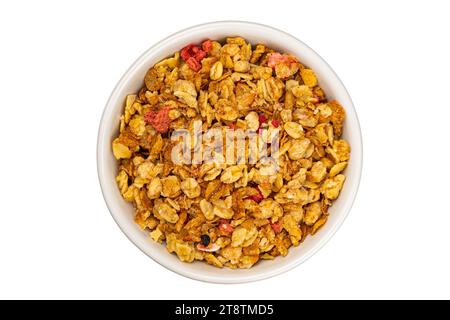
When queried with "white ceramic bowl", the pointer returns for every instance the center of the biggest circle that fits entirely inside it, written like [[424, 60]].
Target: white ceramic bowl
[[132, 81]]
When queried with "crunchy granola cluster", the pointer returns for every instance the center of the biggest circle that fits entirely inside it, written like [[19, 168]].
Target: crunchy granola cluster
[[231, 214]]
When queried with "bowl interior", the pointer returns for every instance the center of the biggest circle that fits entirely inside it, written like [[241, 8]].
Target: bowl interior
[[132, 81]]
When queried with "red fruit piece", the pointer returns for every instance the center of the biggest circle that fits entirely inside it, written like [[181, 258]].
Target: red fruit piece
[[276, 58], [159, 120], [199, 55], [258, 197], [262, 119], [193, 64], [232, 126], [276, 227], [207, 45], [276, 123], [225, 226], [192, 54], [188, 51]]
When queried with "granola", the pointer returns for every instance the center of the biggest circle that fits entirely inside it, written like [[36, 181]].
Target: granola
[[231, 213]]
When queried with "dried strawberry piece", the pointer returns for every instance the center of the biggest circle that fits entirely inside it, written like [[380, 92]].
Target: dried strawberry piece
[[276, 123], [276, 58], [276, 227], [225, 226], [194, 51], [207, 45], [159, 120], [192, 54], [193, 64], [199, 55], [150, 116], [232, 126], [188, 51], [257, 197], [262, 119]]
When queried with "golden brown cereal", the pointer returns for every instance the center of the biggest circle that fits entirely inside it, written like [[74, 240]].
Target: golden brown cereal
[[191, 188], [293, 129], [246, 211], [309, 78], [216, 71]]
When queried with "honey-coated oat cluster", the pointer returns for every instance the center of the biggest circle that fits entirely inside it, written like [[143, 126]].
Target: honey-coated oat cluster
[[231, 214]]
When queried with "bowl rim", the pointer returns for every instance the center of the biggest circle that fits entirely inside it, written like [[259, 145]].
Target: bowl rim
[[242, 278]]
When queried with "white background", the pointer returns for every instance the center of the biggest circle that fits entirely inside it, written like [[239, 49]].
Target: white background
[[60, 60]]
